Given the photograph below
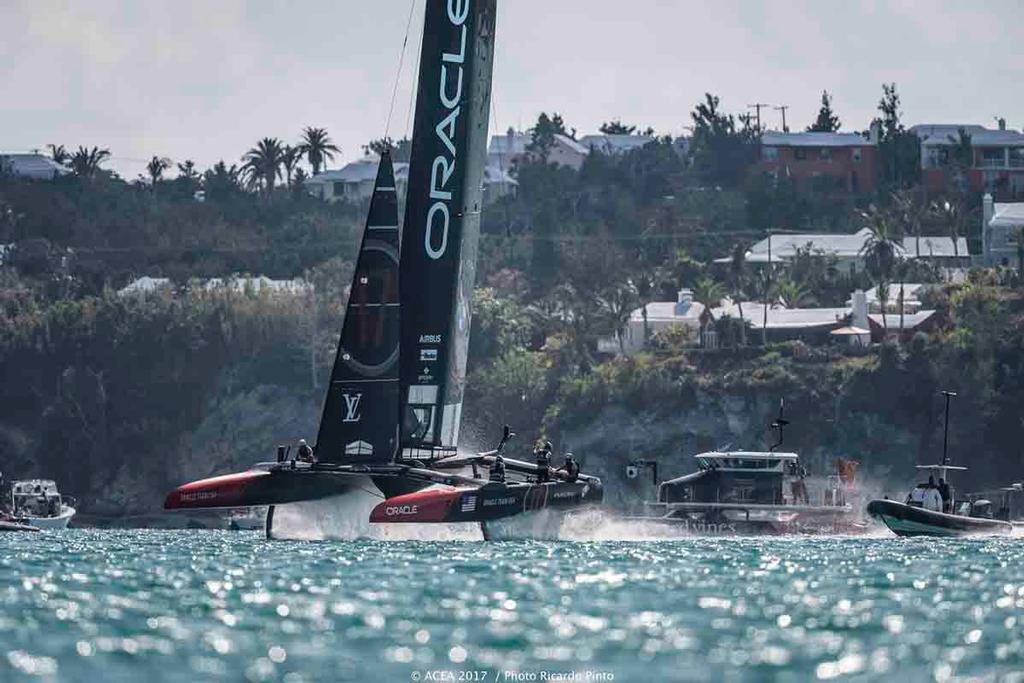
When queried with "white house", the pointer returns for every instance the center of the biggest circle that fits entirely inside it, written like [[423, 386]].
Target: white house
[[848, 249], [779, 321], [1000, 224], [353, 182], [504, 151], [34, 166]]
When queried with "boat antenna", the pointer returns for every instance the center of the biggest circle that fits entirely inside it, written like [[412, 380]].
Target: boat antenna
[[945, 431], [779, 424]]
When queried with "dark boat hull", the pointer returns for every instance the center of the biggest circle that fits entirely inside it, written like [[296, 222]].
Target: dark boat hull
[[485, 503], [270, 486], [8, 525], [907, 520]]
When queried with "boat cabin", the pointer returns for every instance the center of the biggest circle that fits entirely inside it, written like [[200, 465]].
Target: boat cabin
[[36, 498], [757, 477]]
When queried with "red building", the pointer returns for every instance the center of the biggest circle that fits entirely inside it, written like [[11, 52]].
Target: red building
[[996, 158], [846, 161]]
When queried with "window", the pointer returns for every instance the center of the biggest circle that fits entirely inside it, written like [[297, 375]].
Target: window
[[799, 153], [339, 188], [856, 156], [770, 153], [825, 153]]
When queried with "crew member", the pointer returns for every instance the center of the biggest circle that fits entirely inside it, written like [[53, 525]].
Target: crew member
[[497, 474], [543, 454], [570, 467], [946, 494], [305, 453]]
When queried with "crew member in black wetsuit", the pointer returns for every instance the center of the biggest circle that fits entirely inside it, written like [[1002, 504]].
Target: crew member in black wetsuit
[[946, 494], [497, 474], [543, 454], [305, 453]]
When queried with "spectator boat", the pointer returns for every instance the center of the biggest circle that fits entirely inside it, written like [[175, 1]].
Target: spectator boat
[[927, 512], [40, 504]]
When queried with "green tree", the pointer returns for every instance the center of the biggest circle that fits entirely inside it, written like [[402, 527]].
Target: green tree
[[290, 158], [899, 149], [155, 169], [827, 121], [59, 154], [709, 293], [616, 127], [542, 135], [262, 164], [87, 162], [317, 146], [721, 151], [953, 217], [400, 150], [793, 294], [1018, 239]]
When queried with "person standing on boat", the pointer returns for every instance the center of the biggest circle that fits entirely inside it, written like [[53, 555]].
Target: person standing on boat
[[497, 474], [305, 453], [946, 494], [932, 500], [543, 455]]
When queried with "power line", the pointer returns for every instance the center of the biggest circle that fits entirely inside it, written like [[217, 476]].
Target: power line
[[757, 107]]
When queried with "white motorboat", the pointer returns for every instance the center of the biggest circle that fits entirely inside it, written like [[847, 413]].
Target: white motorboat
[[40, 504]]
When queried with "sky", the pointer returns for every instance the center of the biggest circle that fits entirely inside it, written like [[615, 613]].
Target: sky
[[205, 80]]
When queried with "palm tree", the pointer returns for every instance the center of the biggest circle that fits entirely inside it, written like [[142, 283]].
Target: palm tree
[[263, 164], [187, 170], [317, 147], [793, 294], [290, 158], [738, 284], [913, 213], [86, 162], [882, 248], [709, 293], [59, 154], [616, 304], [156, 167]]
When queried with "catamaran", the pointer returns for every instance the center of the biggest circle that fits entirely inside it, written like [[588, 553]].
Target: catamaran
[[390, 423]]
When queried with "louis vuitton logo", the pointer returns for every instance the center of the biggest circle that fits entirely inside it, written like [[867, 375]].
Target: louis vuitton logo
[[352, 407]]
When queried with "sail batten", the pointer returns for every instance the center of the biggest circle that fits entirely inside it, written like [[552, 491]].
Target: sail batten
[[359, 422], [442, 217]]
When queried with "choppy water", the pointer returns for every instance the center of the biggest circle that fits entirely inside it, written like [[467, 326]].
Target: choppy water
[[185, 606]]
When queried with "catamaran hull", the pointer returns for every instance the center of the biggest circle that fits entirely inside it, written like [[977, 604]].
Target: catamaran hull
[[486, 503], [907, 520], [262, 486]]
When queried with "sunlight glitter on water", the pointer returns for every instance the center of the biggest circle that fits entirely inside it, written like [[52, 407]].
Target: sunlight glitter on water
[[122, 605]]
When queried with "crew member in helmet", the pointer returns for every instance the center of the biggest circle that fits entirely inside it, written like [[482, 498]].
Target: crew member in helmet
[[542, 452], [570, 467], [305, 453], [497, 474]]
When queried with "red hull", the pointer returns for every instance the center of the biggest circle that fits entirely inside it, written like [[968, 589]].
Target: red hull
[[228, 490]]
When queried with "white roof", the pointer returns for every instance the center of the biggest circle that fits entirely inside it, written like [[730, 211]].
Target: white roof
[[939, 134], [31, 166], [257, 283], [892, 320], [614, 143], [794, 318], [665, 311], [495, 174], [363, 170], [784, 247], [748, 455], [911, 292], [773, 138], [144, 284], [514, 143], [1007, 215]]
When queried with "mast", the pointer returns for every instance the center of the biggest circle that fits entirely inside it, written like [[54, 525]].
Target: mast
[[945, 429], [359, 417], [442, 217]]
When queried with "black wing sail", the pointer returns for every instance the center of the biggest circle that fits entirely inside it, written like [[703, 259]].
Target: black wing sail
[[360, 418], [442, 216]]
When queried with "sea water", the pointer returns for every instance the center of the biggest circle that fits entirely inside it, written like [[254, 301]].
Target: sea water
[[89, 605]]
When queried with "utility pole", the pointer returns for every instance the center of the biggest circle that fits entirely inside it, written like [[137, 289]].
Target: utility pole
[[783, 108], [767, 292], [945, 435], [757, 106]]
